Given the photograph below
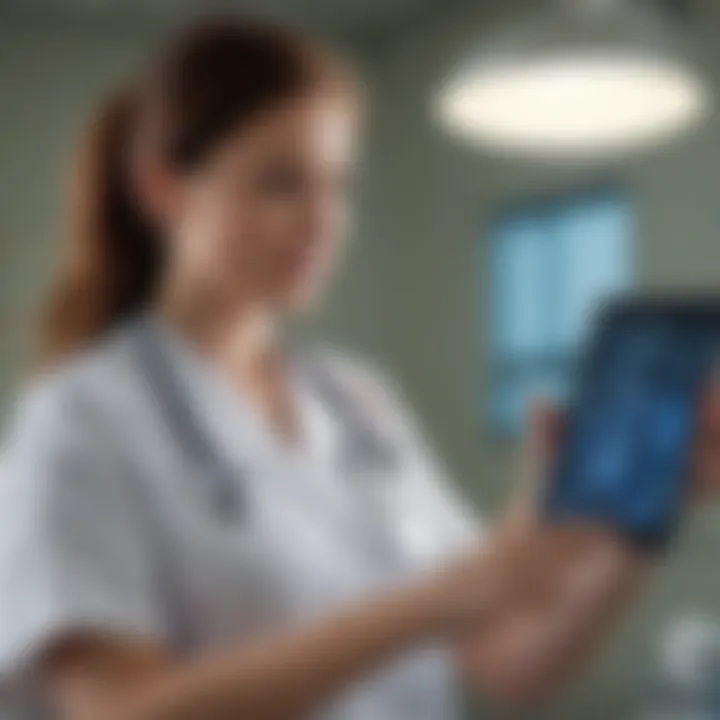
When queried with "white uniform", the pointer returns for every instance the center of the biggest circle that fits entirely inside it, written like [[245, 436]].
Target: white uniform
[[110, 522]]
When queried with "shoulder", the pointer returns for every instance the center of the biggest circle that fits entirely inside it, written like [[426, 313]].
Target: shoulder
[[357, 371], [72, 397], [365, 379], [376, 394], [53, 448], [65, 446]]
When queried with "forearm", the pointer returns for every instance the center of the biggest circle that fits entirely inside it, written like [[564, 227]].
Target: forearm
[[299, 672], [537, 644], [293, 674], [586, 612]]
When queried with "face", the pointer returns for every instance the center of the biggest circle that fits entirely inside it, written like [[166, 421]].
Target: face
[[262, 218]]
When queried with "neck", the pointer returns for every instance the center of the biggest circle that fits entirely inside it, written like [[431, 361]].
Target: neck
[[241, 340], [239, 336]]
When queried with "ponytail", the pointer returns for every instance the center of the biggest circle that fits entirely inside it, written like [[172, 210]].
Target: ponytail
[[114, 260]]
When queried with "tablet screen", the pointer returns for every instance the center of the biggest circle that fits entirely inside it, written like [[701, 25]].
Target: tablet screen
[[626, 448]]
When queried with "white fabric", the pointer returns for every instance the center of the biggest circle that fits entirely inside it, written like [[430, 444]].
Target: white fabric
[[105, 527]]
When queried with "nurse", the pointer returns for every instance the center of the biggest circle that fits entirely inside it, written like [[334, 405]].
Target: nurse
[[200, 522]]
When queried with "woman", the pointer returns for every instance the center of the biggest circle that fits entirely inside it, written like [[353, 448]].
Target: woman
[[199, 522]]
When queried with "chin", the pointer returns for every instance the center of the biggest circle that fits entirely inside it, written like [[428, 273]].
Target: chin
[[303, 292], [299, 300]]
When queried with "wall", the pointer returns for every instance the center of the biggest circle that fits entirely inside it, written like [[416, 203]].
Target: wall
[[429, 200]]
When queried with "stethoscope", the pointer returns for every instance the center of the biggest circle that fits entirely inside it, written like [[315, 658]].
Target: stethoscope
[[365, 452]]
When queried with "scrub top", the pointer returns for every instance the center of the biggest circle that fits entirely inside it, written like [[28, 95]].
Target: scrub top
[[108, 523]]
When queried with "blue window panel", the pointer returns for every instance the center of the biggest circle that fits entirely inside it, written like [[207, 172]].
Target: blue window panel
[[519, 271], [597, 263], [551, 265]]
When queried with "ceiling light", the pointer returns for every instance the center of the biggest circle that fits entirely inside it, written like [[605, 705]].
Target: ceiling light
[[593, 79]]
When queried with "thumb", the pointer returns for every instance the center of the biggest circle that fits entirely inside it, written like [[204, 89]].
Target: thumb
[[540, 445]]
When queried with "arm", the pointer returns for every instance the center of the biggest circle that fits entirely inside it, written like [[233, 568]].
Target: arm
[[531, 651], [530, 607], [284, 677], [278, 678]]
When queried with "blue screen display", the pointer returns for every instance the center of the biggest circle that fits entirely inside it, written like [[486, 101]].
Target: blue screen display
[[626, 448]]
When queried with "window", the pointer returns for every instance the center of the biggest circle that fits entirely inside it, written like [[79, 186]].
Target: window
[[551, 265]]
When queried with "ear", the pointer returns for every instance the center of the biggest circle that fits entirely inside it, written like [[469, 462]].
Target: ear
[[157, 188]]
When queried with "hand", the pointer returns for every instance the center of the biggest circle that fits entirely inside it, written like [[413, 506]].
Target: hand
[[705, 467], [525, 558], [532, 558], [545, 427]]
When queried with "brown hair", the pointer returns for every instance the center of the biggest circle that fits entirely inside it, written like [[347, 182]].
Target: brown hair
[[210, 79]]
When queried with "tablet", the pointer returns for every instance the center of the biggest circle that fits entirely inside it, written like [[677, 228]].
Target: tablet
[[624, 454]]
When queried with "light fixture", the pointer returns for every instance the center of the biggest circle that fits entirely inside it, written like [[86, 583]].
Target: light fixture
[[587, 79]]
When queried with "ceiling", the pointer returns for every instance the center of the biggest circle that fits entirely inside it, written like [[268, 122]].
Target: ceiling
[[343, 16]]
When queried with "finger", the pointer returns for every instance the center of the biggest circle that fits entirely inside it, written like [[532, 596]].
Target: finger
[[546, 423], [706, 452], [539, 447], [708, 420], [710, 408]]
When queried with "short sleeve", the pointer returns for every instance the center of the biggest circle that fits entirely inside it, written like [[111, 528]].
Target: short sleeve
[[74, 554]]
